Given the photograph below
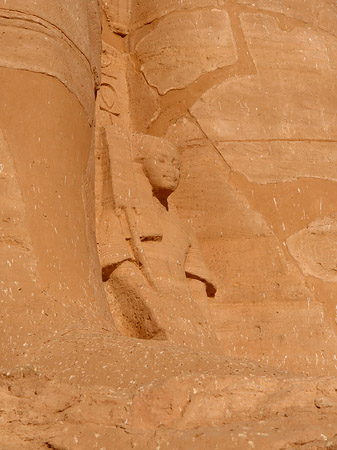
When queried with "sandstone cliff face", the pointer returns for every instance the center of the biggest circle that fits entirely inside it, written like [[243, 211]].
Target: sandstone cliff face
[[211, 321], [246, 91]]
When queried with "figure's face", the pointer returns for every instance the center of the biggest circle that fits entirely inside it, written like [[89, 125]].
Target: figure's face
[[163, 171]]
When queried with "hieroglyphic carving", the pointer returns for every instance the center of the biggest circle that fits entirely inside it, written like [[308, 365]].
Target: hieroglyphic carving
[[112, 108], [108, 94], [112, 105]]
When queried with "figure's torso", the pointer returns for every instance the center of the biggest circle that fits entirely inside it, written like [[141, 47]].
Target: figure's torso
[[167, 256]]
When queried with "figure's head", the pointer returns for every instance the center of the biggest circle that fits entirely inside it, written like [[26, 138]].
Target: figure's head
[[161, 165]]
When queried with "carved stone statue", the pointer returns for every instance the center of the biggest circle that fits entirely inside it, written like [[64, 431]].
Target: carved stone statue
[[151, 262]]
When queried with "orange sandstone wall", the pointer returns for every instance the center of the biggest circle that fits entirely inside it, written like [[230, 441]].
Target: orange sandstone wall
[[247, 92]]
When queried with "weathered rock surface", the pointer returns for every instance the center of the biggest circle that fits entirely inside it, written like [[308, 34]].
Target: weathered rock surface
[[314, 248], [233, 404], [67, 30], [127, 16], [171, 60], [218, 325]]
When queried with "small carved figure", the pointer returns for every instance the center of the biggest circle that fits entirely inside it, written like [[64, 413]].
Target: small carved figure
[[147, 254]]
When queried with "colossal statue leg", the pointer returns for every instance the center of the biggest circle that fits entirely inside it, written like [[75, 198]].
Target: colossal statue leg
[[49, 72]]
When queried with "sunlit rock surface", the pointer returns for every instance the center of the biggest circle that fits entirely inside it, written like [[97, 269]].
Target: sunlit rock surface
[[207, 317]]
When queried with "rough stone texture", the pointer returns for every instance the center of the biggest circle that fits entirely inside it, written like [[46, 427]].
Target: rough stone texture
[[67, 30], [279, 161], [271, 121], [307, 11], [252, 116], [314, 248], [274, 91], [171, 60], [232, 403], [254, 334], [49, 267], [126, 16]]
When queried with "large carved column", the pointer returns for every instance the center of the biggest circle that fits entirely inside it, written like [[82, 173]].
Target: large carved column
[[49, 72]]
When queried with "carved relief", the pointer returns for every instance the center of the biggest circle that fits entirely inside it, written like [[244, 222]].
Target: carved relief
[[67, 32], [111, 105], [170, 60], [147, 254], [315, 250], [108, 94]]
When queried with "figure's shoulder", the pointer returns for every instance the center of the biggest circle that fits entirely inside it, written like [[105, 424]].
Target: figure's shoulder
[[172, 221]]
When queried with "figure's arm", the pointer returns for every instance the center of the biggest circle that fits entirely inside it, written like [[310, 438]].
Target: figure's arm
[[196, 268], [113, 249], [210, 285]]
